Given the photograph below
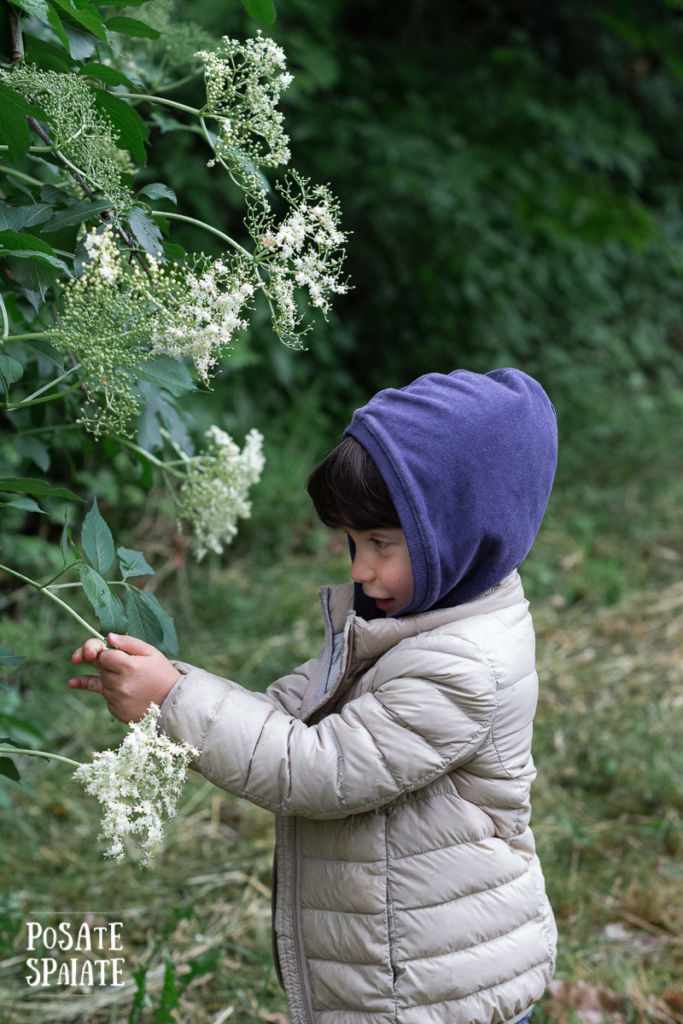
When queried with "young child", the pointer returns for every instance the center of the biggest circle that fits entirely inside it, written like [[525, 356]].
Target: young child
[[398, 762]]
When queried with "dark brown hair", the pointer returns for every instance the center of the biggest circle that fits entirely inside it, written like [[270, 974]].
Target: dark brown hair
[[348, 490]]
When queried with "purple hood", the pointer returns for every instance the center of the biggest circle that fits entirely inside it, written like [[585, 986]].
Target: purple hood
[[469, 461]]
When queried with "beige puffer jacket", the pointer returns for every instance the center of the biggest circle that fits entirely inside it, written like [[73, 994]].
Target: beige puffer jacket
[[408, 888]]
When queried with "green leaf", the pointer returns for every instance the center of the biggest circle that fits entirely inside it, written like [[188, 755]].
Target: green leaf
[[23, 733], [14, 131], [86, 14], [28, 247], [103, 73], [11, 369], [38, 9], [131, 27], [26, 504], [76, 213], [47, 55], [38, 488], [9, 769], [262, 11], [67, 546], [129, 126], [14, 218], [106, 605], [56, 24], [32, 448], [133, 563], [143, 621], [145, 231], [8, 659], [168, 373], [170, 639], [97, 540], [157, 190]]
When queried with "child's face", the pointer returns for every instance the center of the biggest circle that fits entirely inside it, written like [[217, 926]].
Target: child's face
[[382, 565]]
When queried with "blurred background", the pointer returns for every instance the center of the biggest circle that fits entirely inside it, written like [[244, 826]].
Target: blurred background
[[510, 174]]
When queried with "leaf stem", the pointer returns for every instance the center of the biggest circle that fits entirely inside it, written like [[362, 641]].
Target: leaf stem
[[160, 99], [51, 383], [20, 174], [53, 597], [207, 227], [5, 321], [39, 753]]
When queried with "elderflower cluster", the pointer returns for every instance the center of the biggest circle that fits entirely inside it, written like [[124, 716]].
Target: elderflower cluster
[[306, 250], [138, 786], [244, 82], [118, 316], [204, 311], [79, 130], [215, 493]]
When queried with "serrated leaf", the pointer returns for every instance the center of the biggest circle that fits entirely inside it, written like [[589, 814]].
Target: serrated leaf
[[262, 11], [145, 231], [15, 243], [170, 639], [8, 659], [9, 769], [143, 621], [76, 213], [133, 563], [103, 73], [25, 504], [106, 605], [168, 373], [131, 27], [129, 126], [157, 190], [38, 488], [86, 14], [97, 540], [11, 369]]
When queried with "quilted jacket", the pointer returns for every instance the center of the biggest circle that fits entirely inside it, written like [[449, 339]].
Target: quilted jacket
[[408, 888]]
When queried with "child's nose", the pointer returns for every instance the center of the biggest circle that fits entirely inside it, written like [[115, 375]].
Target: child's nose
[[361, 570]]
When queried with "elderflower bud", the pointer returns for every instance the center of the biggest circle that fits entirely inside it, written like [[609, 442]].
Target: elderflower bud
[[215, 493], [138, 785]]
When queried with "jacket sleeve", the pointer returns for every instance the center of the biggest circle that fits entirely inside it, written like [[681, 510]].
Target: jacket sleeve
[[404, 732]]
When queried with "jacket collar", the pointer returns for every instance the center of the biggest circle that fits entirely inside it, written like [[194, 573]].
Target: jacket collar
[[372, 637]]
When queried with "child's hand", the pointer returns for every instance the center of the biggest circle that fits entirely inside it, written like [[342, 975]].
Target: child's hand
[[132, 676]]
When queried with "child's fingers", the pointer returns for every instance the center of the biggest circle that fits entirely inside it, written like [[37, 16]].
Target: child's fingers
[[131, 644], [92, 683], [89, 652]]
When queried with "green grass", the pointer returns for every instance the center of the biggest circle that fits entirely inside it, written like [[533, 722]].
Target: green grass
[[606, 595]]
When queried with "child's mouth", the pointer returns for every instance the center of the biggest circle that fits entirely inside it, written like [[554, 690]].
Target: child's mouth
[[384, 603]]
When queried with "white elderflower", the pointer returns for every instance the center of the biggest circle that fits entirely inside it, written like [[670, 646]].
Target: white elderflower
[[306, 250], [204, 311], [138, 785], [215, 493], [244, 82]]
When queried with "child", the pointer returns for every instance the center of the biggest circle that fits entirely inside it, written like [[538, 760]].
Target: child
[[398, 762]]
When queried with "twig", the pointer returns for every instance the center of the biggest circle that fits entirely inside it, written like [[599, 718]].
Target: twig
[[15, 31]]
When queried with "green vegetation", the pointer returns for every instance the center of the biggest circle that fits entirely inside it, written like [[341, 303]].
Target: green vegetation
[[510, 178]]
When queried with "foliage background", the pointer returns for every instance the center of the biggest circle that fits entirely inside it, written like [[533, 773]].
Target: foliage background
[[511, 175]]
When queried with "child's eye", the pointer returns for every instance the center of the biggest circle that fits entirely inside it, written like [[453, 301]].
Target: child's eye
[[380, 544]]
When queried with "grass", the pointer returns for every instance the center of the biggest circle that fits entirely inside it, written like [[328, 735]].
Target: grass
[[604, 581]]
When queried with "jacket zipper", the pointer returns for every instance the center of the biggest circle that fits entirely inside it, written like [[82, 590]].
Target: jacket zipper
[[298, 940]]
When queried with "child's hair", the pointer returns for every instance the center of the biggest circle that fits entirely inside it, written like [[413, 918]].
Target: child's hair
[[347, 490]]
